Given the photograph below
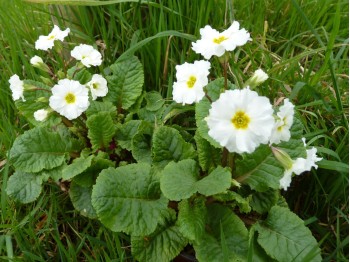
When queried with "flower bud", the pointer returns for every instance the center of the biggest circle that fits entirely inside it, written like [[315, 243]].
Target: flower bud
[[258, 78], [37, 62], [282, 157], [41, 115]]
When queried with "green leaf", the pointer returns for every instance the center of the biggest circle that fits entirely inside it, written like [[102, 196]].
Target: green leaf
[[284, 237], [81, 200], [225, 239], [126, 132], [154, 101], [209, 157], [181, 180], [78, 166], [101, 130], [168, 145], [263, 201], [96, 107], [256, 253], [141, 143], [192, 218], [125, 84], [128, 199], [39, 149], [234, 199], [260, 170], [214, 89], [24, 187], [164, 244]]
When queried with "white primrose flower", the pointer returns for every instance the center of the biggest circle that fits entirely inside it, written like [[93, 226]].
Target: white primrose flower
[[215, 43], [283, 123], [46, 42], [17, 87], [36, 60], [87, 55], [98, 86], [240, 120], [296, 166], [191, 79], [69, 98], [41, 115]]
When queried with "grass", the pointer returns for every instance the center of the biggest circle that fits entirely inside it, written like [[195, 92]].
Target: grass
[[303, 45]]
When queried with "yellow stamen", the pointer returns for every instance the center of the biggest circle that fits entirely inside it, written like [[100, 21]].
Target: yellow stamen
[[70, 98], [240, 120], [191, 81], [95, 86], [51, 37], [219, 39], [280, 128]]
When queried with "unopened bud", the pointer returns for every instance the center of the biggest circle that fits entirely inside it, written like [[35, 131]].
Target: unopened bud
[[282, 157], [258, 78]]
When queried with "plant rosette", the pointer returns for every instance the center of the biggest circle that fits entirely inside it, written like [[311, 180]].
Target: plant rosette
[[131, 163]]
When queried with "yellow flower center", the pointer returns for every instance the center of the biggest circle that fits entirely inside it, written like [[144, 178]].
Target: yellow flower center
[[191, 81], [280, 128], [240, 120], [95, 86], [219, 39], [51, 37], [70, 98]]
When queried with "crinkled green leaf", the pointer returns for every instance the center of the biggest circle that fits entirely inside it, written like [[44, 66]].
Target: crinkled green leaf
[[55, 174], [284, 237], [24, 187], [125, 83], [192, 217], [168, 145], [164, 244], [78, 166], [128, 199], [39, 149], [154, 101], [209, 157], [97, 106], [151, 116], [101, 130], [181, 180], [260, 170], [141, 147], [225, 239], [263, 201], [126, 132], [81, 200], [214, 89], [234, 199], [255, 252]]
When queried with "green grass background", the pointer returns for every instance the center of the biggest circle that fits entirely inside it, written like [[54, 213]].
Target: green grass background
[[303, 45]]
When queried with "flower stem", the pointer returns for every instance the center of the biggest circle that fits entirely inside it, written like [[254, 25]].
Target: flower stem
[[224, 157]]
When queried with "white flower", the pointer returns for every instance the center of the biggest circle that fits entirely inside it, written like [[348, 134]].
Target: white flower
[[283, 123], [87, 55], [191, 79], [36, 60], [258, 78], [41, 114], [214, 43], [17, 87], [47, 42], [240, 120], [98, 86], [299, 166], [69, 98]]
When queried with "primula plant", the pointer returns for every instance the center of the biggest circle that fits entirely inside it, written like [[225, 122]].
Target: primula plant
[[132, 162]]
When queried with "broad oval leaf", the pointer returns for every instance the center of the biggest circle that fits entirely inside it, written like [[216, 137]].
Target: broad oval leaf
[[39, 149], [168, 145], [78, 166], [162, 245], [128, 199], [225, 239], [284, 237], [125, 84], [192, 217], [81, 199], [24, 187]]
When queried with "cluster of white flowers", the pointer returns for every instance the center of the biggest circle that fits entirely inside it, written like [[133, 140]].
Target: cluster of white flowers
[[69, 97], [239, 120]]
